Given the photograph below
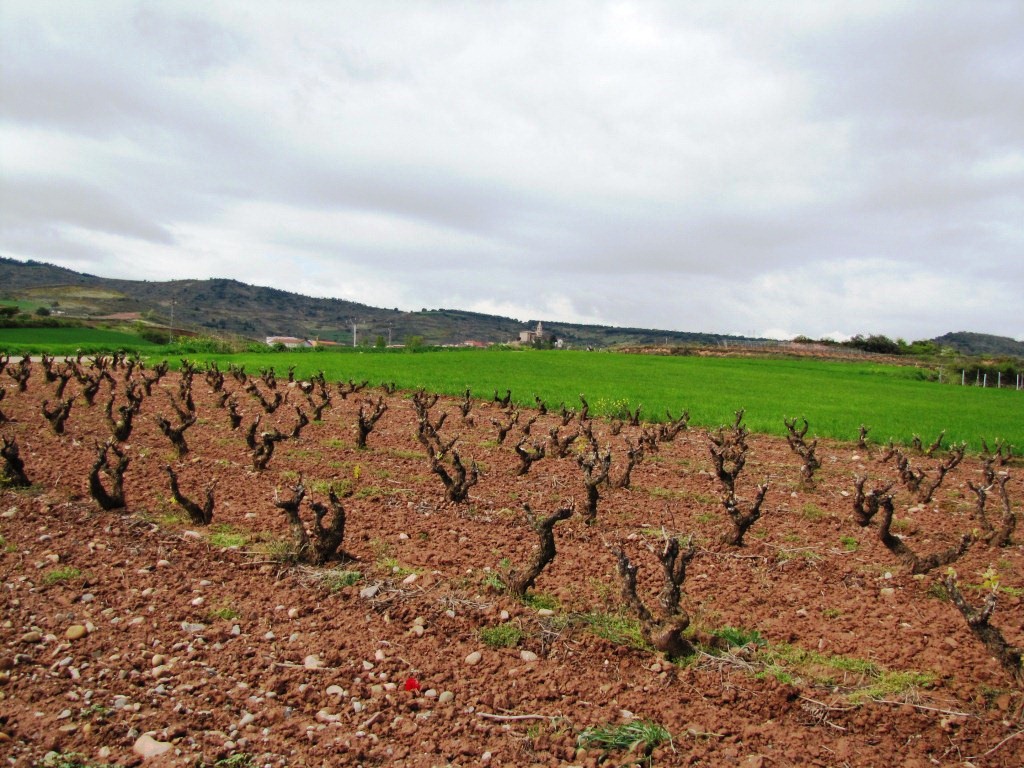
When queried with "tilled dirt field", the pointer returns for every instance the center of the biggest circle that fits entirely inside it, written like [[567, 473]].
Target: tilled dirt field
[[136, 636]]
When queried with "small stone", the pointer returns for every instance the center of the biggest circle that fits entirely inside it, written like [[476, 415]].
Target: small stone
[[196, 602], [326, 716], [446, 697], [162, 563], [369, 592], [32, 637], [545, 612], [367, 666], [293, 613], [403, 537], [888, 593], [312, 662], [474, 658], [528, 656], [410, 579], [247, 718], [379, 655], [417, 629], [357, 706], [146, 746], [335, 690], [504, 615], [88, 597]]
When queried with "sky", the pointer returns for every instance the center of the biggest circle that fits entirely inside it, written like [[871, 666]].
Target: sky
[[727, 166]]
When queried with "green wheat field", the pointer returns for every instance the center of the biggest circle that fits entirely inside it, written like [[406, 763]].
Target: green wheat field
[[895, 402]]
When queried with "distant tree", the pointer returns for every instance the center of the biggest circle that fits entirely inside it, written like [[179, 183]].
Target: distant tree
[[42, 311], [875, 343]]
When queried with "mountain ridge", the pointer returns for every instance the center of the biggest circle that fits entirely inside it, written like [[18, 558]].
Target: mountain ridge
[[229, 306]]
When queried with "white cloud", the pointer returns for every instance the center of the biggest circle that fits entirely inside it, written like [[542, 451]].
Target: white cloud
[[732, 166]]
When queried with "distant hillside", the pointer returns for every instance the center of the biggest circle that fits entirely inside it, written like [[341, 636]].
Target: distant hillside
[[981, 344], [230, 306]]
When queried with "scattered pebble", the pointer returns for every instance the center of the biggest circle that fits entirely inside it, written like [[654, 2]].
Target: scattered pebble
[[146, 746], [313, 662], [474, 658], [528, 656]]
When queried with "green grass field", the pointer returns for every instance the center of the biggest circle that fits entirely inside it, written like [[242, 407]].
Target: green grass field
[[66, 339], [894, 401]]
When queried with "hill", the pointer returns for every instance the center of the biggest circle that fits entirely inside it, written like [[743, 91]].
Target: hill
[[981, 344], [222, 306], [229, 306]]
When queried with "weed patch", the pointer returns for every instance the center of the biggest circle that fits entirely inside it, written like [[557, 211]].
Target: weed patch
[[501, 636], [59, 575]]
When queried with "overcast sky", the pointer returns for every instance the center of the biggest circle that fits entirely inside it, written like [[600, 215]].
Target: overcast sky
[[762, 168]]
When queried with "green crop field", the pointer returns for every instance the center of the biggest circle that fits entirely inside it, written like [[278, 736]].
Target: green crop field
[[65, 340], [894, 401]]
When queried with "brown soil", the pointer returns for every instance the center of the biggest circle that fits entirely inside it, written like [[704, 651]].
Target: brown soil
[[230, 654]]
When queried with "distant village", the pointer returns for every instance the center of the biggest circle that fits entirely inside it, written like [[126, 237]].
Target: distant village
[[528, 337]]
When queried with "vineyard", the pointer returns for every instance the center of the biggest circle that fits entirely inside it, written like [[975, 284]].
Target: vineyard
[[247, 567]]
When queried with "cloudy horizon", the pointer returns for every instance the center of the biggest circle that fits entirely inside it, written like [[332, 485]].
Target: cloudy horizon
[[726, 166]]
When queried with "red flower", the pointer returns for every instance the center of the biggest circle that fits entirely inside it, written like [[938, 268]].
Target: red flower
[[412, 684]]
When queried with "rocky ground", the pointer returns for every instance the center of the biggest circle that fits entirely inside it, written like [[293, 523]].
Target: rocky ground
[[137, 636]]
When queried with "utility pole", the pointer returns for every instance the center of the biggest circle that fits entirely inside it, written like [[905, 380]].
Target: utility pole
[[354, 333], [171, 334]]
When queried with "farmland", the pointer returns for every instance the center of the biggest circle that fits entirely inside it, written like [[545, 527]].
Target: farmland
[[813, 642], [896, 402], [66, 339]]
